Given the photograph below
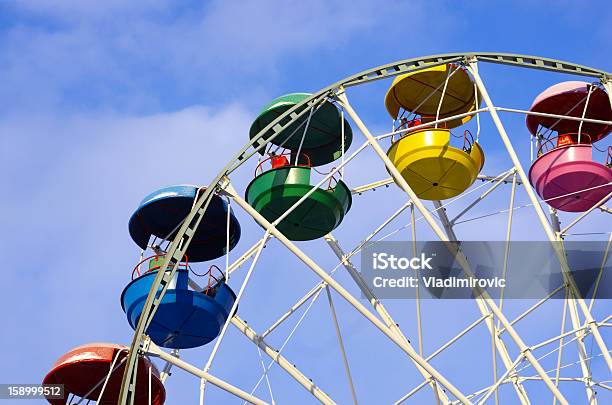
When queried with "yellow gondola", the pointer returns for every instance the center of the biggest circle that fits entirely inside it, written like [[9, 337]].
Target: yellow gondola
[[413, 92], [433, 168]]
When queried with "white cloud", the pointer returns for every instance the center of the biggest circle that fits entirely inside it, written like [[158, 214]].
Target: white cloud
[[143, 57]]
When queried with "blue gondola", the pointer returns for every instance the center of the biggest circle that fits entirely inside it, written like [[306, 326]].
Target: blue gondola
[[160, 214], [185, 318]]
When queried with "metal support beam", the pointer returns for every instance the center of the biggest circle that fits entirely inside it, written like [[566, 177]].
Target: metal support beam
[[163, 376], [346, 295], [584, 214], [232, 312], [389, 180], [443, 237], [380, 308], [154, 350], [289, 367], [498, 343], [541, 216], [347, 369], [294, 308], [499, 180]]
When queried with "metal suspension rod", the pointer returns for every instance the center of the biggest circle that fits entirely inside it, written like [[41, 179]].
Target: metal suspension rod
[[585, 213], [601, 269], [494, 387], [353, 272], [411, 393], [430, 123], [548, 115], [553, 339], [163, 376], [458, 336], [418, 289], [499, 180], [246, 256], [341, 345], [560, 354], [294, 308], [389, 180], [507, 244], [534, 307], [497, 344]]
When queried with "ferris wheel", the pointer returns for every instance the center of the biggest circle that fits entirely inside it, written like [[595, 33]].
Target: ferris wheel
[[299, 154]]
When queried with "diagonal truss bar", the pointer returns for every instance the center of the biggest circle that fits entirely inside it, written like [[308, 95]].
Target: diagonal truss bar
[[498, 181], [322, 284], [584, 214], [279, 359], [458, 336], [294, 308], [555, 239], [389, 180], [380, 308], [346, 295], [549, 115], [347, 369], [154, 350], [498, 343], [443, 237]]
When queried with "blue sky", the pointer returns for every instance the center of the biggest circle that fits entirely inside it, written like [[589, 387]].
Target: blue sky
[[104, 102]]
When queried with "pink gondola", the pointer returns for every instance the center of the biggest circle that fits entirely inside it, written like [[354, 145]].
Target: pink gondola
[[564, 173]]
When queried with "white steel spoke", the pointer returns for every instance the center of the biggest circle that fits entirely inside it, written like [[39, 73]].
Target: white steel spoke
[[279, 359], [232, 312], [380, 308], [462, 262], [549, 233], [601, 269], [347, 296], [585, 213], [154, 350], [347, 369], [458, 336], [352, 271], [418, 292], [560, 354], [265, 371], [496, 183]]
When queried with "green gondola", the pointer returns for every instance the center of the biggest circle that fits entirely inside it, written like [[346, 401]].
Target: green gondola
[[273, 192], [323, 138]]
